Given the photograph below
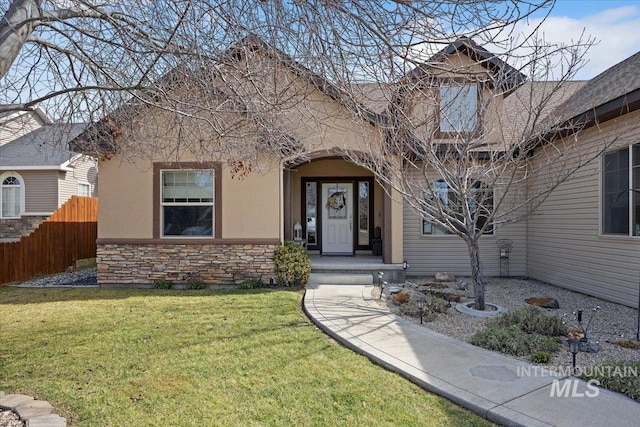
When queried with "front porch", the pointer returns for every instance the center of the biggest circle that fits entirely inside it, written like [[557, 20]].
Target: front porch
[[337, 208], [359, 269]]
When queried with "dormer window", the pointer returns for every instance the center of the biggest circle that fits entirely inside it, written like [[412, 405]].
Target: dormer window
[[458, 109]]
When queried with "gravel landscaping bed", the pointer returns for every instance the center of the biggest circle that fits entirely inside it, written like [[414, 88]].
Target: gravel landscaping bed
[[611, 322], [10, 419], [79, 278]]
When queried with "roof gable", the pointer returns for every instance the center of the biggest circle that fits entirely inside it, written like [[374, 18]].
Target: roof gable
[[43, 148], [506, 78], [103, 130]]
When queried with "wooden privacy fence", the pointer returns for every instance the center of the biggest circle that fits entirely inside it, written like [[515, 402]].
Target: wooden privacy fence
[[69, 234]]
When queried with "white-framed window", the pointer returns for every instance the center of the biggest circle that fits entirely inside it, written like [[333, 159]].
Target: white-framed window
[[84, 189], [458, 108], [621, 192], [187, 203], [11, 195], [480, 204]]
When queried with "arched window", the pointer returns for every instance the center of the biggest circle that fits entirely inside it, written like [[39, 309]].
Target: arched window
[[11, 195], [480, 204]]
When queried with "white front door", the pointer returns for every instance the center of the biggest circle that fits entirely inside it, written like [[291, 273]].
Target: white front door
[[337, 218]]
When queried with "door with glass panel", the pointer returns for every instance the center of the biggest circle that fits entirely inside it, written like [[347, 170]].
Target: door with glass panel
[[337, 218]]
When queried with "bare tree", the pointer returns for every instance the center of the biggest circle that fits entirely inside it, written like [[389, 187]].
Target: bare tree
[[452, 151], [92, 55]]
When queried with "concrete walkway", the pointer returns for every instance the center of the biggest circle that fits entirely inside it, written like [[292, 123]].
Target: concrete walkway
[[499, 388]]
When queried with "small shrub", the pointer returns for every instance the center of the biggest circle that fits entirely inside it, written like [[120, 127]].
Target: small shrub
[[433, 306], [628, 344], [401, 297], [541, 357], [617, 376], [292, 265], [251, 284], [512, 340], [193, 284], [532, 320], [162, 284]]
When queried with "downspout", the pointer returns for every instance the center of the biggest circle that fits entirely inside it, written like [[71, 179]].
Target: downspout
[[281, 204]]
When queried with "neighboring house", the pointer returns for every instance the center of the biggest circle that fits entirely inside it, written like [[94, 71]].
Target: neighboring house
[[14, 125], [37, 171], [166, 214]]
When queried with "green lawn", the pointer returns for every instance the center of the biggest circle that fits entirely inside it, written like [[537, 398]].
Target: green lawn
[[116, 357]]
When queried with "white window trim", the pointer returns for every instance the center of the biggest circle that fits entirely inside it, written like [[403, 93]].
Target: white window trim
[[212, 204], [5, 175], [84, 183]]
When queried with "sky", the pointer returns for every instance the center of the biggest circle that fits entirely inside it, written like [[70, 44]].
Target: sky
[[614, 24]]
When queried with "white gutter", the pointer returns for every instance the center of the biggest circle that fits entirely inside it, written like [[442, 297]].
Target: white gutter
[[61, 167]]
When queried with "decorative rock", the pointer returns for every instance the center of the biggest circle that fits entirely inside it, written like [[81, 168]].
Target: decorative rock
[[34, 413], [464, 284], [394, 290], [12, 401], [34, 409], [544, 302], [445, 277], [576, 333], [52, 420]]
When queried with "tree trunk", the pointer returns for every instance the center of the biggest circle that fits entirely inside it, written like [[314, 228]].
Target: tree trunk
[[477, 276], [14, 33]]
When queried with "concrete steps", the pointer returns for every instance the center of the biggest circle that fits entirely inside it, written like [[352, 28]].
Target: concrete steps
[[340, 279]]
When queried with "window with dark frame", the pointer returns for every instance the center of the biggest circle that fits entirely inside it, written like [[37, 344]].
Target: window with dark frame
[[482, 199], [458, 108], [621, 192]]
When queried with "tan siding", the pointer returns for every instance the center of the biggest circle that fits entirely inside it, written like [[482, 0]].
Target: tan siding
[[565, 245], [84, 170], [19, 126], [41, 191], [67, 186], [430, 254]]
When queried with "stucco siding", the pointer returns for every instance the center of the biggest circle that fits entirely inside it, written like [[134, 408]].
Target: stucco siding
[[41, 191], [565, 245], [251, 205], [126, 203]]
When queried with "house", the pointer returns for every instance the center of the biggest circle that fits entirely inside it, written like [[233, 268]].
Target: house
[[37, 171], [167, 214], [586, 236]]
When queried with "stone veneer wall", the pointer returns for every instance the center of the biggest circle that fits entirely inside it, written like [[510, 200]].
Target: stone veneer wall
[[16, 228], [214, 264]]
